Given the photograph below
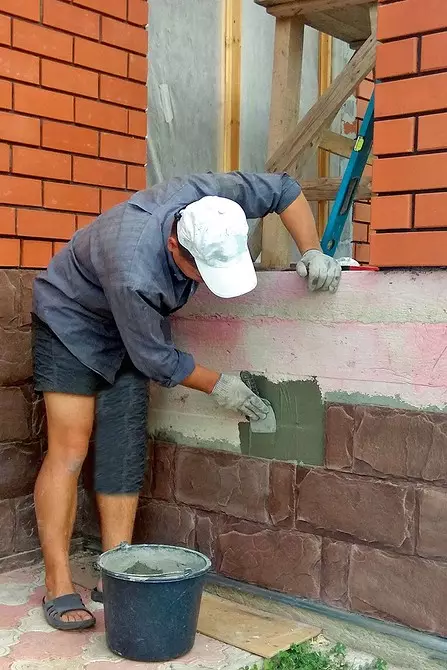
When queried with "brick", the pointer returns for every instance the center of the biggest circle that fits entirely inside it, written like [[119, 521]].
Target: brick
[[40, 40], [397, 58], [20, 191], [7, 521], [116, 8], [410, 173], [7, 221], [136, 178], [223, 482], [17, 128], [4, 157], [100, 57], [111, 198], [43, 103], [367, 509], [123, 92], [432, 133], [28, 9], [137, 123], [434, 52], [101, 173], [390, 212], [361, 252], [411, 17], [100, 115], [138, 67], [64, 77], [36, 253], [396, 136], [137, 12], [431, 210], [5, 30], [71, 197], [361, 108], [58, 246], [362, 212], [339, 437], [360, 232], [282, 499], [17, 65], [82, 221], [246, 555], [70, 18], [9, 253], [334, 573], [126, 149], [421, 249], [39, 223], [404, 589], [409, 96], [416, 442], [365, 89], [124, 35], [70, 138], [5, 94], [165, 523], [432, 532], [39, 163]]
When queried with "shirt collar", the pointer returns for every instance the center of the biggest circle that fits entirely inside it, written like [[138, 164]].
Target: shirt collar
[[173, 267]]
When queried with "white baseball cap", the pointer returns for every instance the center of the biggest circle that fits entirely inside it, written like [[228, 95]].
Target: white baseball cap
[[215, 231]]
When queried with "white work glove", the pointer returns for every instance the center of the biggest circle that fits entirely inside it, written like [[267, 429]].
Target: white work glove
[[231, 392], [323, 272]]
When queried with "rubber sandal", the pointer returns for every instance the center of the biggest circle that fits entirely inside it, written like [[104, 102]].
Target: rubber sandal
[[56, 608], [97, 596]]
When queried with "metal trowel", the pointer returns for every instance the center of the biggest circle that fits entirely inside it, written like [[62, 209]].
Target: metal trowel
[[267, 425]]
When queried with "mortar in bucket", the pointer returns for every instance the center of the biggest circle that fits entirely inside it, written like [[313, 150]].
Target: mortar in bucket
[[152, 597]]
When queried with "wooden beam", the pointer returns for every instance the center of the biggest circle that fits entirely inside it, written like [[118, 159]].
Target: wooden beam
[[324, 81], [232, 86], [302, 7], [300, 145], [339, 145], [284, 110], [327, 189]]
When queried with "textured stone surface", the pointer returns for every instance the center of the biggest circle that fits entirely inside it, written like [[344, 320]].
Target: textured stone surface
[[283, 560], [282, 498], [38, 416], [367, 509], [432, 534], [9, 298], [165, 523], [339, 435], [223, 482], [15, 363], [7, 525], [26, 536], [208, 528], [334, 573], [90, 515], [163, 467], [19, 465], [401, 443], [15, 413], [26, 296], [409, 590]]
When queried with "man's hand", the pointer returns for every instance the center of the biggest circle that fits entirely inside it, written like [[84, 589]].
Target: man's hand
[[231, 392], [323, 272]]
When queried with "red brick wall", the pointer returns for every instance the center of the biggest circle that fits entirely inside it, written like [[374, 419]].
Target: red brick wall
[[409, 216], [72, 99]]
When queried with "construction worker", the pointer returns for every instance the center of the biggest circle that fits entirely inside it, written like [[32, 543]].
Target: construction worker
[[101, 330]]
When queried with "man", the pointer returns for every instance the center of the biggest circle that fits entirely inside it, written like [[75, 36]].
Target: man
[[101, 331]]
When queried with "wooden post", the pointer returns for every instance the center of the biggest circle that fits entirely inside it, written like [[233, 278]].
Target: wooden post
[[284, 110], [232, 85], [324, 81]]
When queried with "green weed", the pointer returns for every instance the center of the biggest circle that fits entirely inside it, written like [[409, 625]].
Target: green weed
[[304, 657]]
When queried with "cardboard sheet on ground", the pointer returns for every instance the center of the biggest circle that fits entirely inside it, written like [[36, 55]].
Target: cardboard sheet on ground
[[253, 630]]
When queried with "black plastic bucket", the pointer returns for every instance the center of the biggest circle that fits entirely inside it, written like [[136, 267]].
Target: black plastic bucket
[[152, 597]]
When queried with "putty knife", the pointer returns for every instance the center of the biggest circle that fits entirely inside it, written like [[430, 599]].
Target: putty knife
[[267, 425]]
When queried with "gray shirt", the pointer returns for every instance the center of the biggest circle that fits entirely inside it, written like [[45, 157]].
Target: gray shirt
[[113, 287]]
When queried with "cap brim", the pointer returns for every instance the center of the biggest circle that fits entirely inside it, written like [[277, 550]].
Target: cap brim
[[236, 278]]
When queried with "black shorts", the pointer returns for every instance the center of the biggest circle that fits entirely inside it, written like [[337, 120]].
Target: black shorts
[[121, 409]]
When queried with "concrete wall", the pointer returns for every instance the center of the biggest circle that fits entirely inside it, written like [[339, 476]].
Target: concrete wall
[[354, 510]]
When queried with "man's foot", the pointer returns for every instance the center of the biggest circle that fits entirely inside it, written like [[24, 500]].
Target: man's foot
[[72, 616], [57, 609]]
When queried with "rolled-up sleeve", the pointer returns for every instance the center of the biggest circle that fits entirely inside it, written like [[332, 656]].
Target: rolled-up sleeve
[[258, 194], [143, 331]]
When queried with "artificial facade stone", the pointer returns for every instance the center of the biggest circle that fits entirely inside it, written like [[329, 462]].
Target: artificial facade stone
[[165, 523], [339, 436]]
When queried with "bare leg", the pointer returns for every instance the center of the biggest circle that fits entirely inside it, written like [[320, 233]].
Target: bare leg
[[70, 422], [117, 513]]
